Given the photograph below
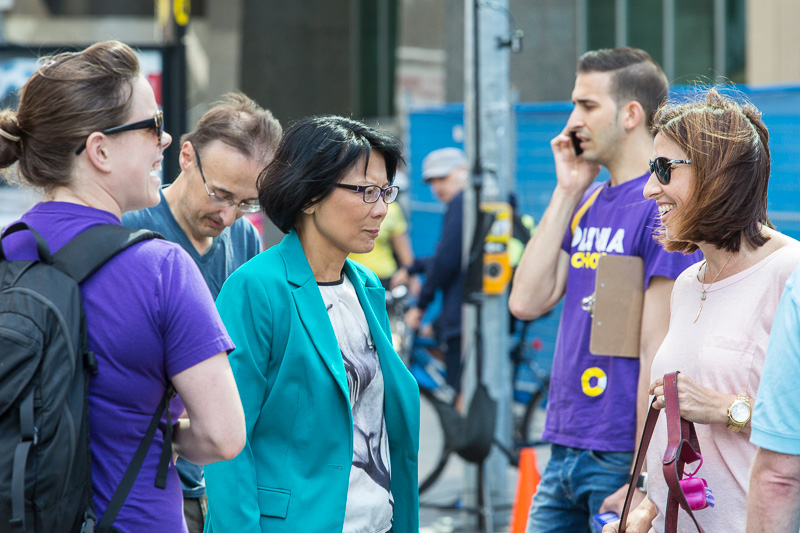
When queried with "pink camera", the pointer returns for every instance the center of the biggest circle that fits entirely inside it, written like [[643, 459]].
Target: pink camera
[[697, 493], [696, 490]]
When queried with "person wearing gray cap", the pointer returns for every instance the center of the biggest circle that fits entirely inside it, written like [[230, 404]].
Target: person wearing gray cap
[[445, 170]]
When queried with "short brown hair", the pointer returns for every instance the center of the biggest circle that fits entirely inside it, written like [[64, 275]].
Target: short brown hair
[[70, 95], [728, 144], [635, 76], [240, 123]]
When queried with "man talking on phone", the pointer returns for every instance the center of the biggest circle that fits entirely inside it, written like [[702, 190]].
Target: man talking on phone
[[595, 401]]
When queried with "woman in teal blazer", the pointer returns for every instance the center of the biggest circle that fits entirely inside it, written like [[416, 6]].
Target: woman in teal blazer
[[332, 413]]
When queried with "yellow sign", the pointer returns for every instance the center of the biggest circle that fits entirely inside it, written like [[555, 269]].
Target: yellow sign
[[181, 10], [496, 263]]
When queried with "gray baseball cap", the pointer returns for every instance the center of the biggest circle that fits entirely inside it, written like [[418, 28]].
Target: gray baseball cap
[[440, 163]]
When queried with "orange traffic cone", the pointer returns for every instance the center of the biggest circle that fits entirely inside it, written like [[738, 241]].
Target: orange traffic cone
[[527, 481]]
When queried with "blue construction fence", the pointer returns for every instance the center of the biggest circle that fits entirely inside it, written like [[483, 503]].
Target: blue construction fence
[[430, 128]]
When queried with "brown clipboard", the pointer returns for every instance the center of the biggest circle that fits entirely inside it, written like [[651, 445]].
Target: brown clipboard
[[619, 300]]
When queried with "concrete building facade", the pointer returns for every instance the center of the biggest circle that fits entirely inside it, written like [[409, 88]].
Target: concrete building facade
[[373, 58]]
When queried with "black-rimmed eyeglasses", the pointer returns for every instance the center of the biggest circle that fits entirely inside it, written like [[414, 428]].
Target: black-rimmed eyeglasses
[[661, 167], [245, 206], [371, 193], [156, 123]]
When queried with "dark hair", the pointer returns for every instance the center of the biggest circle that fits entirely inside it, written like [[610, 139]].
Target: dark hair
[[728, 144], [70, 95], [240, 123], [312, 157], [636, 76]]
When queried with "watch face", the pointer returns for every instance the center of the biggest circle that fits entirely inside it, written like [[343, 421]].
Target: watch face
[[740, 412]]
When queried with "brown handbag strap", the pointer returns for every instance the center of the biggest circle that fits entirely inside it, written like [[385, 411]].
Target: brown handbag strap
[[682, 447], [641, 453]]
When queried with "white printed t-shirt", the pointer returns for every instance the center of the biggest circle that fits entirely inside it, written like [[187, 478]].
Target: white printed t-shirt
[[370, 505]]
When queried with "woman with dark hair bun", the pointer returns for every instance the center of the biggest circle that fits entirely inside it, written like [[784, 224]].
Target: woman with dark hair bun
[[332, 412], [88, 132], [710, 172]]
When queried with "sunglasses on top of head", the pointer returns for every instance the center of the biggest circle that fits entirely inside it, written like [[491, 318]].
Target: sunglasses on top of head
[[661, 167], [156, 123]]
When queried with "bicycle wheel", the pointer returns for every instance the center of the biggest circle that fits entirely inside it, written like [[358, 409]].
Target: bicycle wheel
[[402, 340], [402, 336], [531, 428], [532, 424], [433, 450]]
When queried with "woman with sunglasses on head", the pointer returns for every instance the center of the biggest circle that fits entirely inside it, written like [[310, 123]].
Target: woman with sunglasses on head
[[332, 412], [88, 132], [709, 178]]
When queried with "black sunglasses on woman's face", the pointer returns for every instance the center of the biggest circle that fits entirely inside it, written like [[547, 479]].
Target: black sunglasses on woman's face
[[661, 167], [156, 123]]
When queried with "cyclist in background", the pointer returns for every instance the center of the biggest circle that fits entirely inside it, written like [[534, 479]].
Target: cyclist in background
[[445, 170]]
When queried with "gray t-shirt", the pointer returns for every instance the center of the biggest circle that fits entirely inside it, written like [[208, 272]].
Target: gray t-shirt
[[370, 505]]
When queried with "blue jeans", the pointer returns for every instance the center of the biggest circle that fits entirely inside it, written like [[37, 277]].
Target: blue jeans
[[573, 487]]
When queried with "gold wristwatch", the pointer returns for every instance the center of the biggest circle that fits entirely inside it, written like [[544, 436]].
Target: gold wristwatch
[[739, 413]]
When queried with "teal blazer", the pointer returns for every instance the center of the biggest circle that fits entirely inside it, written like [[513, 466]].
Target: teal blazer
[[294, 470]]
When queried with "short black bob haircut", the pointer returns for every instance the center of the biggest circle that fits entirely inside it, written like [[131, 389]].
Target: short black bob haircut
[[313, 156]]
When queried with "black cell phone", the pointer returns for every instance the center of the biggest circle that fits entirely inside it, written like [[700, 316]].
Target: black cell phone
[[576, 143]]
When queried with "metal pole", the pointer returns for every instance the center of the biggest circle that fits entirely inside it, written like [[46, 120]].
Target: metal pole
[[621, 26], [384, 106], [356, 66], [485, 333], [472, 477], [669, 39], [175, 82], [720, 38], [581, 27]]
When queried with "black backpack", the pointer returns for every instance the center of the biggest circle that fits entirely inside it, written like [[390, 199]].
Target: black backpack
[[45, 364]]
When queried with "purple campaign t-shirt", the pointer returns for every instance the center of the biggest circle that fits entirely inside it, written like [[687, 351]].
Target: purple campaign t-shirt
[[150, 316], [592, 399]]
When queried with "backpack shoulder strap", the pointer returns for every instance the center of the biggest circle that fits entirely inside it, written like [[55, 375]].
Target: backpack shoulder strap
[[42, 249], [90, 250], [128, 479]]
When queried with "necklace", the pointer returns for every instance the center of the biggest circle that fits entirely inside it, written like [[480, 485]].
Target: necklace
[[703, 294]]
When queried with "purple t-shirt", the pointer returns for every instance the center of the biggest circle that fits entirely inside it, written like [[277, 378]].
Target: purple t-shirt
[[592, 399], [150, 316]]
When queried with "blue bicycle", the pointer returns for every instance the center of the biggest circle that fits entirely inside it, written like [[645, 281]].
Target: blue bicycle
[[463, 435]]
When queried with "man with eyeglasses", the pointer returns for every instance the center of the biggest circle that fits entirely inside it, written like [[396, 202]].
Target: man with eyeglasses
[[203, 211], [597, 403], [445, 170]]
